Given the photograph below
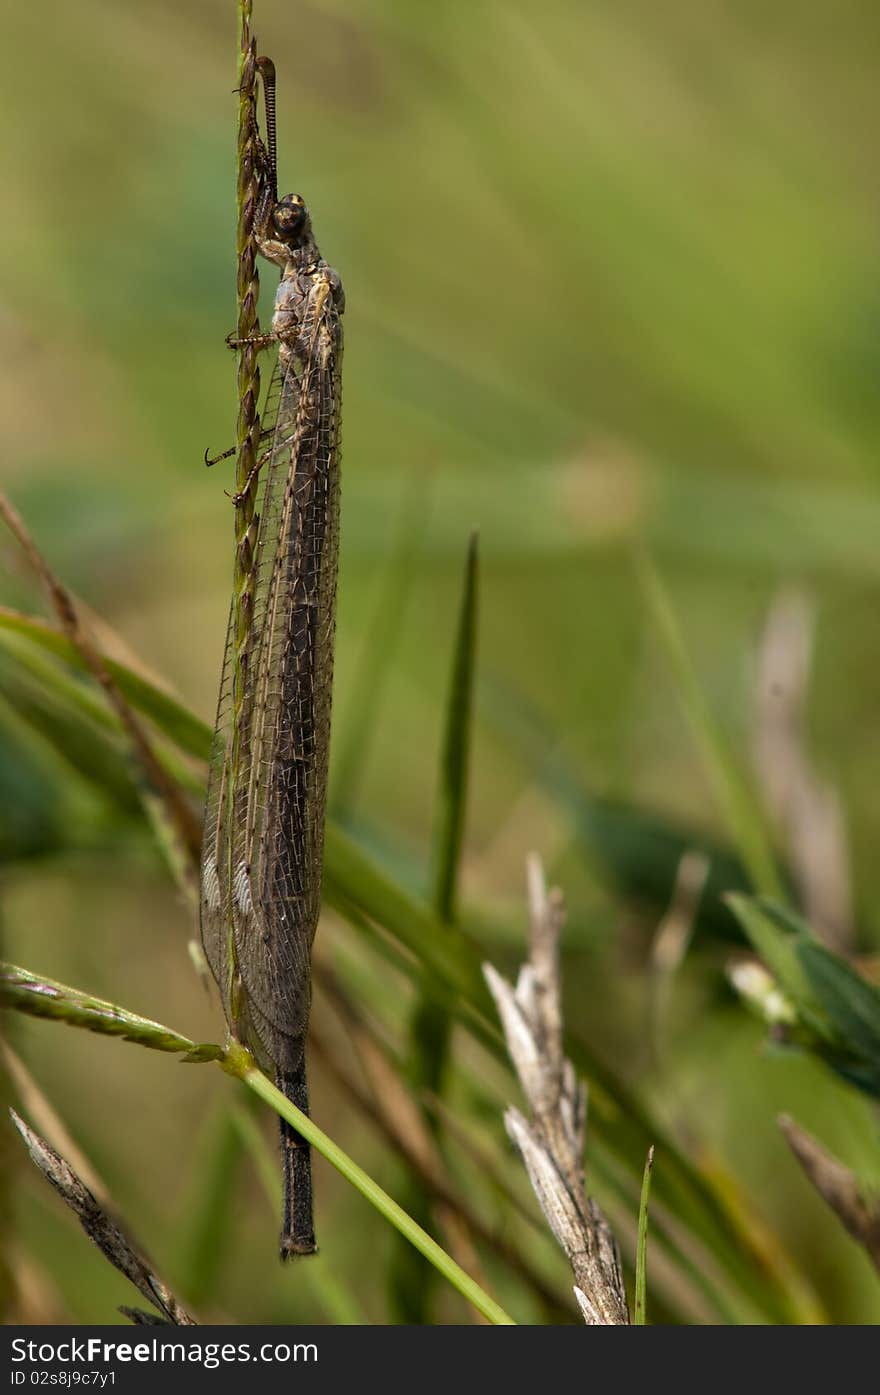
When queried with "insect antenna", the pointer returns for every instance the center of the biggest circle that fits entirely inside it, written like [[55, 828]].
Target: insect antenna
[[267, 74]]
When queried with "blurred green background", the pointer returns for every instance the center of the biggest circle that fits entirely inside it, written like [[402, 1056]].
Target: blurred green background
[[611, 278]]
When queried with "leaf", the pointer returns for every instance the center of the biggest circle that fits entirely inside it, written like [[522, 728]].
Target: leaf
[[43, 997], [449, 969], [852, 1004], [72, 716], [775, 947], [636, 850], [640, 1306], [409, 1280], [203, 1233], [37, 806], [85, 745], [365, 690], [49, 681], [449, 830], [838, 1011], [169, 715], [238, 1062], [30, 993]]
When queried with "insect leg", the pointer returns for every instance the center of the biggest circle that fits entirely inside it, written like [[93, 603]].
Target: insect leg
[[224, 455], [259, 341]]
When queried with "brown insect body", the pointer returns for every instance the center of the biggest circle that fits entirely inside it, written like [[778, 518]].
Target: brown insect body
[[264, 830]]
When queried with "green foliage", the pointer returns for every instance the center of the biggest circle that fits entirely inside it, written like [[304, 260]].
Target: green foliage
[[745, 818], [431, 1026], [836, 1011], [43, 997], [179, 725], [606, 290], [448, 969], [641, 1294]]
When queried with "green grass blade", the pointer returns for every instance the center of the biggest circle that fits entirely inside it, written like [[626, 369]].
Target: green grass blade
[[89, 735], [745, 817], [430, 1029], [366, 690], [84, 746], [775, 947], [50, 683], [44, 805], [449, 830], [449, 968], [239, 1063], [851, 1002], [640, 1305], [242, 1117], [203, 1231], [833, 1011], [43, 997], [165, 802], [451, 964], [335, 1296], [636, 851], [170, 716]]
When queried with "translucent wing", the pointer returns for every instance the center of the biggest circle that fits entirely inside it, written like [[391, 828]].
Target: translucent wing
[[229, 766], [262, 890]]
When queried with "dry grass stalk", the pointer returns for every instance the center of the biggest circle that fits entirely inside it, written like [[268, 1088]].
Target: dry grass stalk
[[100, 1227], [31, 1097], [552, 1143], [837, 1186], [390, 1107], [163, 793]]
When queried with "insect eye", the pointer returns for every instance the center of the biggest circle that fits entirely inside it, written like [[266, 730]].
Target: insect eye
[[289, 216]]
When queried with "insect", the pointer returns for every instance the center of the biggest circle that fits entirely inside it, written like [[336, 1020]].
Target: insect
[[264, 821]]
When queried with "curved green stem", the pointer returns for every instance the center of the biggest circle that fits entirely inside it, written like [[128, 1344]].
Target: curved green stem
[[240, 1063], [39, 996]]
